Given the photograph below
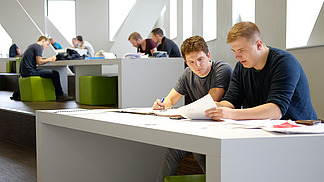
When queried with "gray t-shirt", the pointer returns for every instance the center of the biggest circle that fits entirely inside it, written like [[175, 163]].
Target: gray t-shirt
[[28, 60], [196, 87]]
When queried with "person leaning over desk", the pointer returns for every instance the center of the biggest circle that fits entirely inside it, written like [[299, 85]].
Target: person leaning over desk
[[33, 57], [202, 76], [147, 46], [267, 82], [83, 44], [165, 44], [14, 51]]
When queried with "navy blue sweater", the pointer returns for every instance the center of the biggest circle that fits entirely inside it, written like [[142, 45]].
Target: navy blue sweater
[[282, 81]]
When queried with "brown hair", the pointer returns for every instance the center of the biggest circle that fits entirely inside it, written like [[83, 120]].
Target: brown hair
[[135, 36], [79, 38], [42, 38], [247, 30], [157, 31], [194, 44]]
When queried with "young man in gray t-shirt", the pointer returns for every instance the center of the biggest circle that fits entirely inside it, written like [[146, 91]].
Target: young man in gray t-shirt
[[200, 78]]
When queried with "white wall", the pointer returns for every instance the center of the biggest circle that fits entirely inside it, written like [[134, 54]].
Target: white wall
[[22, 27], [270, 16], [92, 23]]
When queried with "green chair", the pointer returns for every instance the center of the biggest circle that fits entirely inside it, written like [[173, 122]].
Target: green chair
[[97, 90], [36, 89], [186, 178]]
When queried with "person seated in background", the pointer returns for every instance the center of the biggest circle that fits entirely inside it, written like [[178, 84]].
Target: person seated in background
[[269, 83], [201, 77], [14, 51], [85, 45], [75, 43], [165, 44], [56, 45], [33, 57], [147, 46]]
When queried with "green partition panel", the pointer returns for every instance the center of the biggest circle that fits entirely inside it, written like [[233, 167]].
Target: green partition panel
[[186, 178], [18, 60], [9, 66]]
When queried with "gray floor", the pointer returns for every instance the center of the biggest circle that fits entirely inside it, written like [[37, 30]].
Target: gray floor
[[17, 164]]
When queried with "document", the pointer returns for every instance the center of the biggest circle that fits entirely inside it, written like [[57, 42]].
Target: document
[[150, 111], [196, 110], [272, 125]]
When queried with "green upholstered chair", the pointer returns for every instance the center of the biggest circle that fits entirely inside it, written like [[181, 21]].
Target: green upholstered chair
[[186, 178], [97, 90], [36, 88]]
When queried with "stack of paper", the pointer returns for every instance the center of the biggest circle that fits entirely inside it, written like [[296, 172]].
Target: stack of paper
[[196, 110]]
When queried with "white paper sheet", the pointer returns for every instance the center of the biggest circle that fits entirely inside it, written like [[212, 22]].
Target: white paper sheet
[[196, 110]]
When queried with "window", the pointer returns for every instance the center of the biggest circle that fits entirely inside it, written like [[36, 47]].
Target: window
[[187, 19], [243, 10], [5, 43], [300, 25], [209, 20], [62, 15], [173, 19], [117, 17]]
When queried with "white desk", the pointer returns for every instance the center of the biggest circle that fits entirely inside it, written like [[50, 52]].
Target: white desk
[[140, 81], [3, 63], [123, 147]]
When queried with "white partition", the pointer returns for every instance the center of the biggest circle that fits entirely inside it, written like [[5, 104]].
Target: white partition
[[140, 81]]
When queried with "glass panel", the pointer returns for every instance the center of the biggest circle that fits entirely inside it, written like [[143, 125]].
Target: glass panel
[[116, 16], [187, 19], [209, 20], [173, 19], [62, 15], [243, 10], [5, 43], [301, 18]]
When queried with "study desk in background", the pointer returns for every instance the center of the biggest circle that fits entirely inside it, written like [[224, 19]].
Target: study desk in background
[[3, 62], [109, 146], [140, 81]]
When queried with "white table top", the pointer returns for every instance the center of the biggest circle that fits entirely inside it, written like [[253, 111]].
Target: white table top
[[106, 61], [8, 59], [205, 134]]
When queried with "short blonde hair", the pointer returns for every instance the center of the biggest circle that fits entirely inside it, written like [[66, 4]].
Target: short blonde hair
[[135, 36], [42, 38], [247, 30]]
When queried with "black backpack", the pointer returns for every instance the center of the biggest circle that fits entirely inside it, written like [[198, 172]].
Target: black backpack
[[16, 95]]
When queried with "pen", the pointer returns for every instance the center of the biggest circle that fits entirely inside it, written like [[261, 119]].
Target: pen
[[162, 101]]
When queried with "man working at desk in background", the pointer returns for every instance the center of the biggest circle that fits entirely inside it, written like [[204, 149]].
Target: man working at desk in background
[[203, 76], [147, 46], [14, 51], [56, 45], [33, 57], [83, 44], [268, 82], [165, 44]]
